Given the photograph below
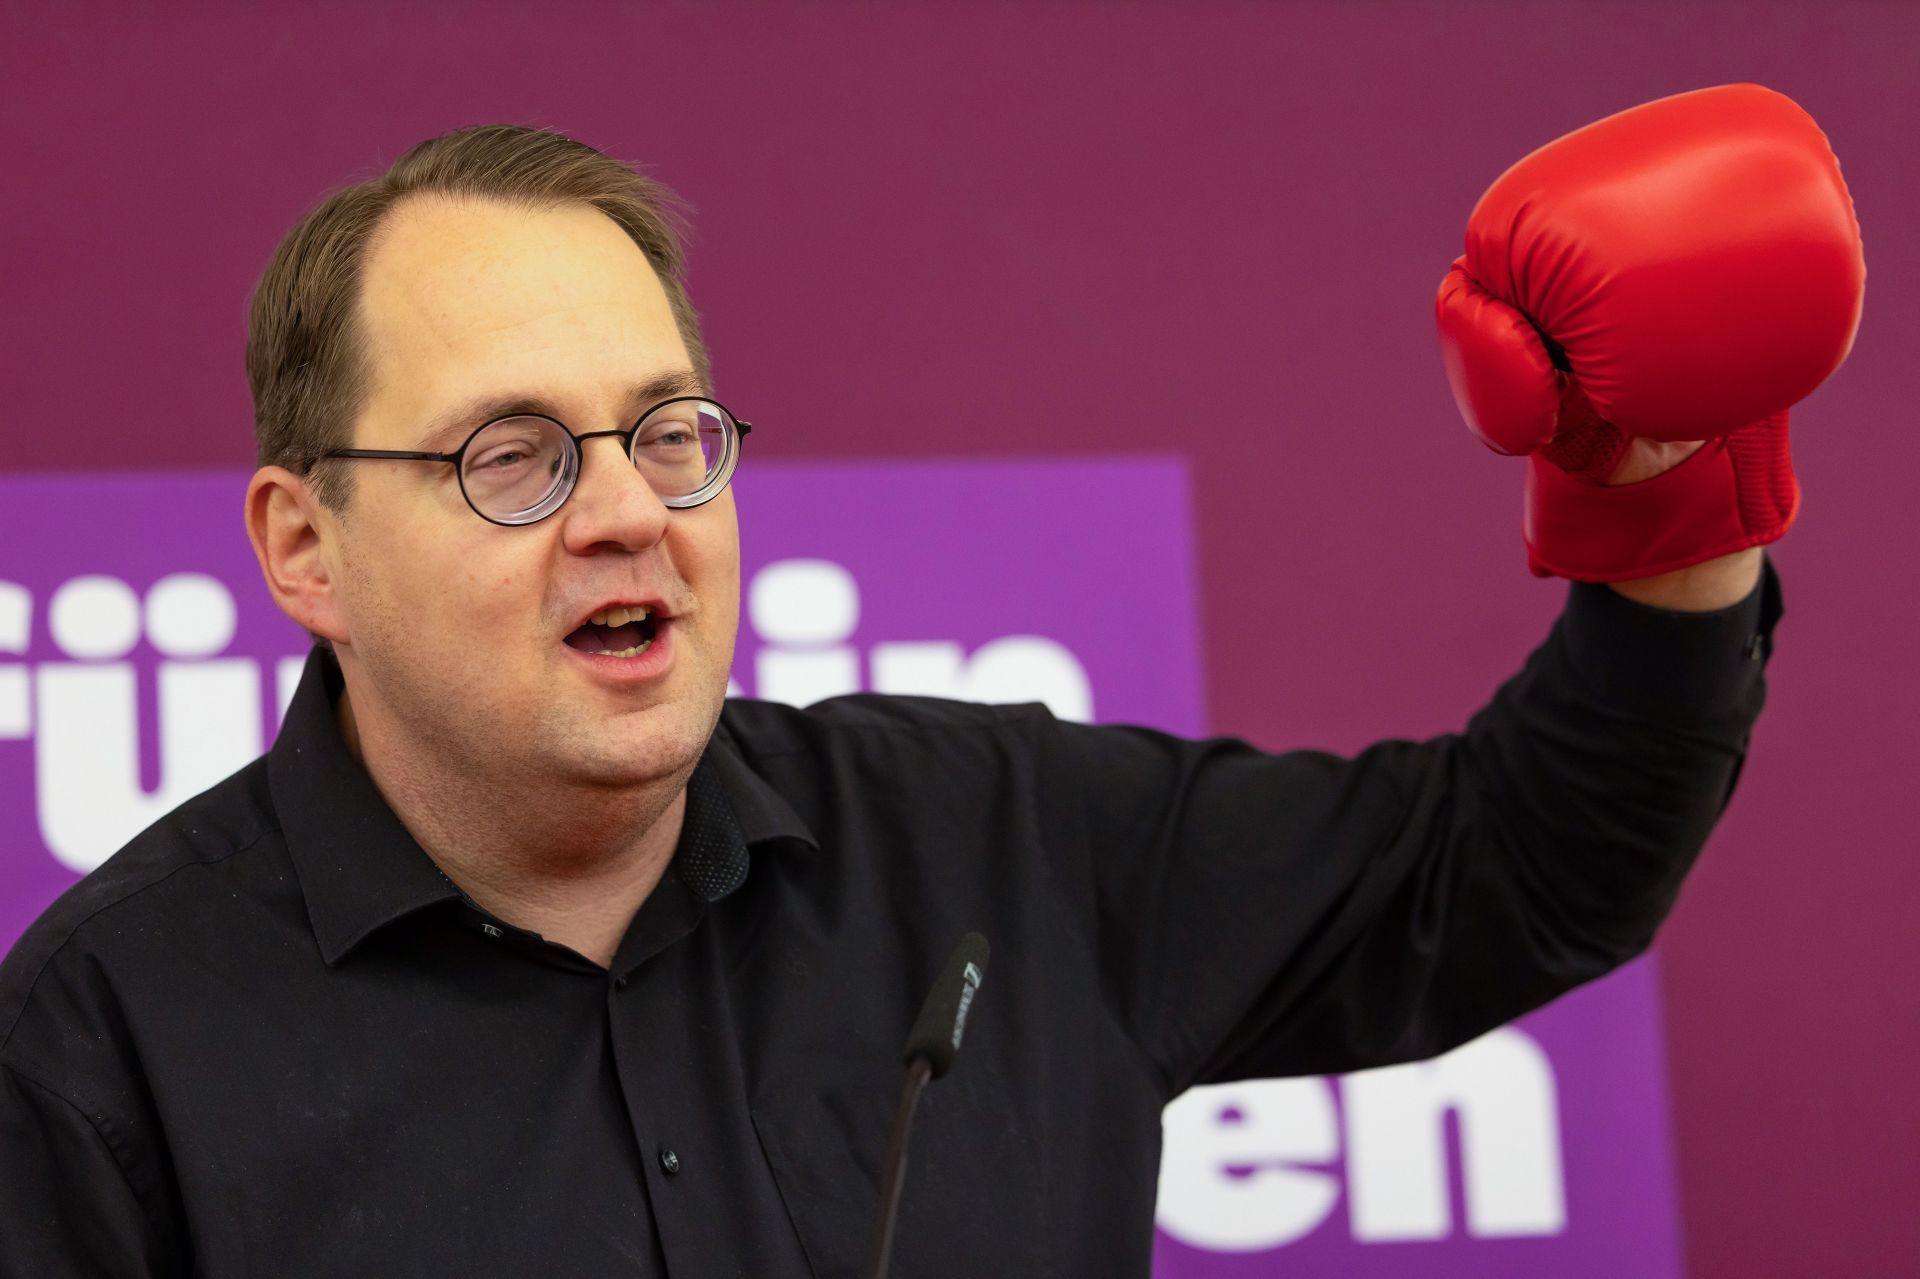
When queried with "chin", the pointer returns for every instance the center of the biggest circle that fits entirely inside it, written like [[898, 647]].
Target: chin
[[647, 750]]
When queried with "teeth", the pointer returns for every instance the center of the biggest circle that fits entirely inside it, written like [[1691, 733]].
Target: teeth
[[635, 651], [618, 616]]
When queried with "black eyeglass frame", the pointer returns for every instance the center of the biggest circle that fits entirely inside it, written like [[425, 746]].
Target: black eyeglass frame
[[700, 496]]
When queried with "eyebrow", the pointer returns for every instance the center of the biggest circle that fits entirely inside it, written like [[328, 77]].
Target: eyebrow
[[449, 428]]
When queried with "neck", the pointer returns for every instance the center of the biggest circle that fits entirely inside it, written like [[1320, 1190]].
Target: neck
[[572, 863]]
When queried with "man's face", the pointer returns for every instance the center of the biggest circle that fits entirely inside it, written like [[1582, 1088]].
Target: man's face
[[458, 647]]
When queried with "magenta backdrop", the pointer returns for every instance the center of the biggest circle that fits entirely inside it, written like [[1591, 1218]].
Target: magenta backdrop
[[992, 230]]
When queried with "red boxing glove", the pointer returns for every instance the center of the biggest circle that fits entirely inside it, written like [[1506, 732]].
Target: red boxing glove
[[1685, 270]]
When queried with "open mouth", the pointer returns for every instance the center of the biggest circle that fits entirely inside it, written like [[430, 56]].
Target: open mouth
[[617, 632]]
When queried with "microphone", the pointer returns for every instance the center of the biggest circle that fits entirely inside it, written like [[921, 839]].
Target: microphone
[[931, 1047]]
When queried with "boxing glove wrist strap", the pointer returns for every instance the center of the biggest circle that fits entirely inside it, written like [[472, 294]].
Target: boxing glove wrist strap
[[1733, 492]]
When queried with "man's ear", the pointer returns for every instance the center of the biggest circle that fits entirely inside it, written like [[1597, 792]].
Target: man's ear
[[295, 539]]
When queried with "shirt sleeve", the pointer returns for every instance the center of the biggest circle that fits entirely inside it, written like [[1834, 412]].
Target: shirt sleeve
[[1261, 914], [66, 1207]]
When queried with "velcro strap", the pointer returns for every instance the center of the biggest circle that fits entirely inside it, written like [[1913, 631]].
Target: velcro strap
[[1733, 492]]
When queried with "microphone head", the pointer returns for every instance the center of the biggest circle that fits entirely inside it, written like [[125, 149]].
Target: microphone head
[[943, 1018]]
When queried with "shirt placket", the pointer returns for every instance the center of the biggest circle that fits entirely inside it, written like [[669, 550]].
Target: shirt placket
[[678, 1060]]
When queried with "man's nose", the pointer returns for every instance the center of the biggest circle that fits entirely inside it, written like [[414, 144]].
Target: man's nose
[[612, 505]]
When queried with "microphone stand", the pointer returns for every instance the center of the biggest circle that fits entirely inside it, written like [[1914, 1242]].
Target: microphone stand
[[894, 1168], [929, 1054]]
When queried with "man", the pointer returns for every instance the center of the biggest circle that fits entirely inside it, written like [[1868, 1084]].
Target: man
[[520, 952]]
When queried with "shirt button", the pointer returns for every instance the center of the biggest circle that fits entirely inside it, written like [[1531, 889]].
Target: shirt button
[[669, 1162]]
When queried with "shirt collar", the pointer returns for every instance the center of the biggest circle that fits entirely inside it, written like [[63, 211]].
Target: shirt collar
[[763, 813], [360, 869]]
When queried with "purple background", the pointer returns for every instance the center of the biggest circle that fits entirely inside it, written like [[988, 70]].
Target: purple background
[[956, 551], [1211, 228], [971, 551], [1604, 1043]]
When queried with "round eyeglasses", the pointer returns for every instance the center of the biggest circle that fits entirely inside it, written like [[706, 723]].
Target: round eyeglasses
[[520, 469]]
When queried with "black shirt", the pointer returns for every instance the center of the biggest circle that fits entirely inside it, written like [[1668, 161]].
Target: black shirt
[[269, 1037]]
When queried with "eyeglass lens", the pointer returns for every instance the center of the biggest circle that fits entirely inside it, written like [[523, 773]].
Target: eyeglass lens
[[520, 469]]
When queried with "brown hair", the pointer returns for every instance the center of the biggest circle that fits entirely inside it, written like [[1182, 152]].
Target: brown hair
[[306, 355]]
